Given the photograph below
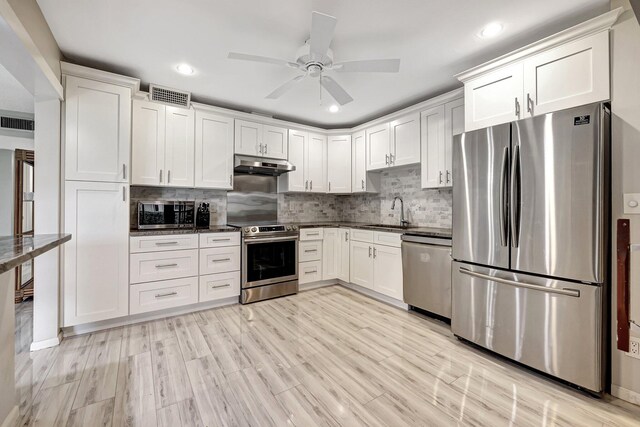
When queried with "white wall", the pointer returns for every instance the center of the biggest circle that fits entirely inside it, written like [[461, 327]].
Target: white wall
[[7, 158], [625, 146], [13, 142]]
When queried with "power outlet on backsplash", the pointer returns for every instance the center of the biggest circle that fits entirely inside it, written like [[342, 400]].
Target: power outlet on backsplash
[[634, 347]]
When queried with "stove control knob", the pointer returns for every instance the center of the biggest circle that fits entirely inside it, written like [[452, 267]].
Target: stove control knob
[[247, 229], [289, 228], [254, 229], [294, 228]]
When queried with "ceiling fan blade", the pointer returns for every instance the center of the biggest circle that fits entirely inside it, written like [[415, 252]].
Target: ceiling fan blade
[[284, 88], [336, 91], [264, 59], [322, 27], [368, 66]]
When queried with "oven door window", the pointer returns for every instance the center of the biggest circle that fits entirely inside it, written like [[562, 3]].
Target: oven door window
[[266, 261]]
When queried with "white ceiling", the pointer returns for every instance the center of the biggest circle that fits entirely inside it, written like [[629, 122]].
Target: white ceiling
[[433, 38], [13, 96]]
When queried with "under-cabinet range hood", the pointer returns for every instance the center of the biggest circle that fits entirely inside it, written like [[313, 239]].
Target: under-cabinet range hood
[[261, 166]]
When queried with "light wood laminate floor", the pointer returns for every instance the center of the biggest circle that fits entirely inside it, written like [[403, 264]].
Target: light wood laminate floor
[[327, 357]]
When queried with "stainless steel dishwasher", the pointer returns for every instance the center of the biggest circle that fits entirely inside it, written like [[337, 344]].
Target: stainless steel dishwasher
[[426, 266]]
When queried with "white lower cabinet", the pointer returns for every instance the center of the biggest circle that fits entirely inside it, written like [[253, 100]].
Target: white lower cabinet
[[153, 266], [218, 286], [164, 294], [219, 260], [361, 264], [335, 254], [387, 271], [309, 272], [376, 262], [96, 258], [310, 255], [310, 251], [343, 256]]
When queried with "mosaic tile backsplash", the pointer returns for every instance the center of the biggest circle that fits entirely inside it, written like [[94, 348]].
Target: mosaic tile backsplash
[[425, 208]]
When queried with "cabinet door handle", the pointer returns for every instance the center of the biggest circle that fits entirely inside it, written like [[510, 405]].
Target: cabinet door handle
[[517, 107], [310, 250], [266, 148], [375, 253], [260, 149], [369, 251], [529, 104], [391, 160], [346, 236], [160, 176], [221, 260], [329, 185], [166, 265], [166, 243], [168, 294], [440, 179], [311, 185], [386, 159], [317, 233], [310, 271], [124, 171], [363, 184], [168, 177], [226, 285], [220, 240], [306, 185], [124, 194], [231, 180], [448, 176]]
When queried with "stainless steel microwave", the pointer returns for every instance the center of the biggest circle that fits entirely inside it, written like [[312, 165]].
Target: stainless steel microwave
[[166, 214]]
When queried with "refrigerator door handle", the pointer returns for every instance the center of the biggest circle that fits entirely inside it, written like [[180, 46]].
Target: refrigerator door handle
[[503, 197], [515, 197], [564, 291]]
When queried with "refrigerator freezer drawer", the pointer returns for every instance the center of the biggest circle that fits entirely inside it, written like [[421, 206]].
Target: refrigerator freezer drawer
[[550, 325]]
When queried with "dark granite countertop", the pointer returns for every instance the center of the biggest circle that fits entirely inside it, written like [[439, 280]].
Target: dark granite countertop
[[417, 231], [17, 250], [211, 229]]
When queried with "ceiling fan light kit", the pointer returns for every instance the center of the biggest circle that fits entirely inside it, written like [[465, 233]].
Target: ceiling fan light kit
[[315, 58]]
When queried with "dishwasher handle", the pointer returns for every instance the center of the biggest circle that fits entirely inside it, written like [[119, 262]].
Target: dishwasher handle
[[437, 241]]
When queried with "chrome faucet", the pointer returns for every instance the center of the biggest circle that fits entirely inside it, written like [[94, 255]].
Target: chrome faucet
[[403, 222]]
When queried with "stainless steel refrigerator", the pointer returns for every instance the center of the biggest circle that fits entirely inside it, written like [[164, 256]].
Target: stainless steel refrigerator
[[530, 241]]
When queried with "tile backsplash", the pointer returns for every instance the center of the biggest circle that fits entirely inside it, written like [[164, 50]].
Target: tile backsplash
[[426, 208]]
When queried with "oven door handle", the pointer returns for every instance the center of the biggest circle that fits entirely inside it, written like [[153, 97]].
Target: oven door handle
[[269, 239]]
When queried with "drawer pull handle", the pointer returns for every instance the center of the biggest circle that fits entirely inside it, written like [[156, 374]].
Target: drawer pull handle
[[311, 250], [317, 233], [166, 265], [168, 294], [166, 243], [220, 240], [221, 260], [226, 285], [311, 272]]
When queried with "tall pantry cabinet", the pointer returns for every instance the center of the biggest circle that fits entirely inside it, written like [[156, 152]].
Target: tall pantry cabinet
[[97, 144]]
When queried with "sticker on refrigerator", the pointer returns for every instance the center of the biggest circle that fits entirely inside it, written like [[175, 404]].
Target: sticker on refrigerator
[[581, 120]]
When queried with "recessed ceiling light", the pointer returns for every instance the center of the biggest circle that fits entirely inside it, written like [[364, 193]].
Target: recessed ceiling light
[[334, 108], [491, 30], [185, 69]]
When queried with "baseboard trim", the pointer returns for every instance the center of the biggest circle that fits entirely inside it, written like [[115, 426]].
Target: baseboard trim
[[40, 345], [86, 328], [11, 419], [375, 295], [316, 285], [625, 394]]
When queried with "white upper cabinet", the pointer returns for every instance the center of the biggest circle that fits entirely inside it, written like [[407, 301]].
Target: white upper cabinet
[[179, 146], [396, 143], [565, 70], [339, 164], [494, 98], [163, 145], [432, 147], [256, 139], [308, 153], [573, 74], [361, 181], [405, 140], [377, 147], [316, 163], [213, 151], [147, 152], [97, 130]]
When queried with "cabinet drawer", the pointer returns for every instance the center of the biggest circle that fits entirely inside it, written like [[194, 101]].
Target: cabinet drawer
[[309, 272], [153, 266], [311, 234], [219, 260], [164, 242], [218, 286], [165, 294], [362, 235], [387, 239], [216, 240], [310, 251]]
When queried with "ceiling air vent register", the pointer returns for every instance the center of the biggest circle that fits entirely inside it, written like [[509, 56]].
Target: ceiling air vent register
[[170, 96], [15, 123]]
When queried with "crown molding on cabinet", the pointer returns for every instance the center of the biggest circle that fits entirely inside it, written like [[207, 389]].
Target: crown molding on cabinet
[[69, 69], [600, 23]]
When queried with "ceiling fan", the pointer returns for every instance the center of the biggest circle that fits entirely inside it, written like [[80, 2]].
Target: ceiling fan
[[315, 58]]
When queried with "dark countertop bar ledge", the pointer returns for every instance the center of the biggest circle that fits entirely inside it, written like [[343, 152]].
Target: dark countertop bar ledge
[[161, 231], [17, 250]]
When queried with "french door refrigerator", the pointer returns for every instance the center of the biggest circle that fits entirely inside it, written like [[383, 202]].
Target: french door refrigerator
[[529, 241]]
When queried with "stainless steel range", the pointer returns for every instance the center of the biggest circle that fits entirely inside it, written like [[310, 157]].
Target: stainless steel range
[[269, 249]]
